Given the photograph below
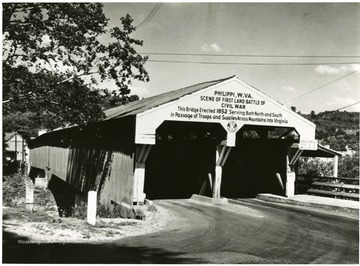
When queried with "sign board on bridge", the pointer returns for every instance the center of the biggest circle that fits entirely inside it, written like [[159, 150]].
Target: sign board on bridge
[[231, 103], [308, 144]]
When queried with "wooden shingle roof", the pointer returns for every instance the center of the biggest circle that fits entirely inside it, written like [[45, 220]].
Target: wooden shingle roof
[[136, 107]]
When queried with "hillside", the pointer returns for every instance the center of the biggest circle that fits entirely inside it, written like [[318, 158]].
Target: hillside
[[337, 129]]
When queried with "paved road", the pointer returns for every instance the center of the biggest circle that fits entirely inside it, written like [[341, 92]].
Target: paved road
[[252, 232]]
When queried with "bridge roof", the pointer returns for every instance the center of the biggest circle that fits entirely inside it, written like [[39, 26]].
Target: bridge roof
[[136, 107], [256, 109], [321, 151]]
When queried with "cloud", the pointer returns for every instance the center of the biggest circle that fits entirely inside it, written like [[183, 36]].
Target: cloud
[[330, 70], [339, 102], [349, 68], [342, 85], [215, 48], [327, 70], [288, 88]]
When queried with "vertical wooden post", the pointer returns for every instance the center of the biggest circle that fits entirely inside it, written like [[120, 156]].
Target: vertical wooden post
[[222, 153], [91, 207], [217, 182], [16, 147], [29, 196], [22, 151], [290, 179], [290, 184], [291, 174], [139, 180], [142, 152], [336, 165]]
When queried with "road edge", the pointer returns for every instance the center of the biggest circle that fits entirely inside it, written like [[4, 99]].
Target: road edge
[[284, 200]]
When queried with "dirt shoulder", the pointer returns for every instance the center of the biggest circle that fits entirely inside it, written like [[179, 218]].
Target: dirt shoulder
[[41, 227]]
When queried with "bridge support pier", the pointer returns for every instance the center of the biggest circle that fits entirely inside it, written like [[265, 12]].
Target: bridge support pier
[[290, 174], [222, 153]]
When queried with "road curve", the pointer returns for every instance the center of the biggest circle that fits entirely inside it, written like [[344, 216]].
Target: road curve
[[250, 232]]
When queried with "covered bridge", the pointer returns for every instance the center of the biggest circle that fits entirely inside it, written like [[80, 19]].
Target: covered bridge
[[220, 138]]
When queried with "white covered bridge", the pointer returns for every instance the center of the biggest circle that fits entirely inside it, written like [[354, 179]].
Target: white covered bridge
[[220, 138]]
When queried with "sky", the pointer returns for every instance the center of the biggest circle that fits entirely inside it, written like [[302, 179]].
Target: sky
[[223, 30]]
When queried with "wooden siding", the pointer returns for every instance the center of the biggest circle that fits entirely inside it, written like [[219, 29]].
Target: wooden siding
[[53, 159], [110, 173], [98, 157], [119, 184], [86, 168], [58, 161], [39, 157]]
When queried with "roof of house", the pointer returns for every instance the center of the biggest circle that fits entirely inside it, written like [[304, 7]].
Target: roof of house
[[9, 136], [136, 107]]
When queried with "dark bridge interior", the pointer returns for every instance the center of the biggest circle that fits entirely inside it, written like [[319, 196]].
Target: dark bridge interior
[[180, 161], [185, 153], [251, 168]]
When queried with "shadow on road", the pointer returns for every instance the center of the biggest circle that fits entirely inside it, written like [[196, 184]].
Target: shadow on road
[[16, 250]]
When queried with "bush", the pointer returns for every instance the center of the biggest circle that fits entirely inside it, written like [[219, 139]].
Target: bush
[[79, 211], [140, 214], [115, 211], [10, 168], [152, 208], [13, 189], [315, 167], [349, 166], [103, 211]]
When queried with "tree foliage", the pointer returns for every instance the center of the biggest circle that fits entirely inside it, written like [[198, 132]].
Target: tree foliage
[[49, 106], [13, 189], [315, 167], [339, 130], [349, 166], [53, 58]]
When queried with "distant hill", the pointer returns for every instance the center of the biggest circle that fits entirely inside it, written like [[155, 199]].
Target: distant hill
[[339, 129]]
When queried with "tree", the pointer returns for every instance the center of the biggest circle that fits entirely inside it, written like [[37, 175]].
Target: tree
[[50, 102], [349, 166], [53, 59], [337, 129], [312, 114], [315, 167]]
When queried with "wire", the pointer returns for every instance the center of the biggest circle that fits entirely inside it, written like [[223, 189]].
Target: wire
[[251, 64], [333, 111], [256, 55], [150, 16], [348, 106], [331, 82]]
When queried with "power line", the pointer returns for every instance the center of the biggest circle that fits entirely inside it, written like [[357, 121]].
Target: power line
[[150, 15], [250, 64], [348, 106], [254, 55], [331, 82]]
